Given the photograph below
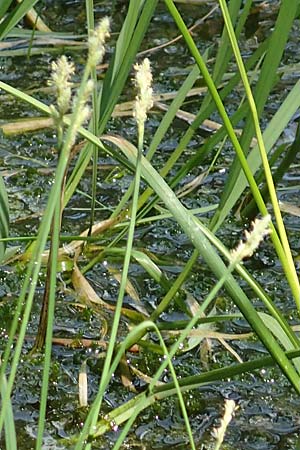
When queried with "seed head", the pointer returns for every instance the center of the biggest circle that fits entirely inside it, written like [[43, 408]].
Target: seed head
[[62, 71], [96, 42], [260, 229], [219, 433], [144, 101], [82, 115]]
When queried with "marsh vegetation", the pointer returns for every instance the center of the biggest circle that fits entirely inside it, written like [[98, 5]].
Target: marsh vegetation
[[139, 141]]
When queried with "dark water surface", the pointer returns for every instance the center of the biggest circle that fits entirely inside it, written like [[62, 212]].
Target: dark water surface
[[268, 414]]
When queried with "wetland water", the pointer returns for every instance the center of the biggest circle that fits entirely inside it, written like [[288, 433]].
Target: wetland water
[[268, 414]]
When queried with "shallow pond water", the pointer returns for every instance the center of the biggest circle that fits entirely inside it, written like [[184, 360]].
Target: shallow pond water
[[268, 414]]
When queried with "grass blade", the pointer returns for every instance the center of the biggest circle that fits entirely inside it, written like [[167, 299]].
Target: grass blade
[[276, 46], [15, 16], [4, 217], [190, 226]]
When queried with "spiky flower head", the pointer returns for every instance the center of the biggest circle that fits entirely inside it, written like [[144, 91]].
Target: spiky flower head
[[219, 433], [144, 99], [96, 42], [62, 71], [83, 110], [260, 229]]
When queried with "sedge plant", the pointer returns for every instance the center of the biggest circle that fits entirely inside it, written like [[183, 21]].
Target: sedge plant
[[282, 347]]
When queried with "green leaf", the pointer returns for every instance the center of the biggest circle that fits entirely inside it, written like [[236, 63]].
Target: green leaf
[[190, 225], [15, 16], [270, 136], [4, 7], [276, 329], [9, 423], [264, 85], [4, 217]]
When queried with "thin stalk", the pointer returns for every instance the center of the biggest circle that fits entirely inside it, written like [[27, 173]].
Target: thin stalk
[[50, 323], [142, 401], [163, 305], [288, 263], [9, 422], [201, 310], [32, 273], [190, 226], [111, 345], [281, 251], [168, 360], [95, 115], [55, 229]]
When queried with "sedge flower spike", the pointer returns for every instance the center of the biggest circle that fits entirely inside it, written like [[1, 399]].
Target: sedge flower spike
[[62, 71], [260, 229], [83, 112], [219, 433], [96, 42], [144, 99]]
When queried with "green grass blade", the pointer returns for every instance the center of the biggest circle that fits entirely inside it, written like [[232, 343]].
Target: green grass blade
[[190, 226], [194, 381], [274, 129], [9, 423], [161, 131], [4, 217], [15, 16], [276, 46], [224, 52], [50, 324], [5, 4], [112, 87], [122, 413], [115, 87], [95, 117], [287, 260], [280, 334], [121, 48], [173, 291], [172, 110]]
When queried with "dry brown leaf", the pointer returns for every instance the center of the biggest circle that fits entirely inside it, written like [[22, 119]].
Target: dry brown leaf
[[206, 333], [130, 289], [125, 374], [35, 20], [208, 125], [85, 291], [72, 249], [121, 110], [143, 376], [26, 125], [83, 386], [289, 208]]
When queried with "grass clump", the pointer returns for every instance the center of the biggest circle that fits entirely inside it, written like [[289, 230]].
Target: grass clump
[[151, 195]]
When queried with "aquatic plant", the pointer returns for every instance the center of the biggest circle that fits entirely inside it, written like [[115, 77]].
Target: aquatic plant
[[137, 205]]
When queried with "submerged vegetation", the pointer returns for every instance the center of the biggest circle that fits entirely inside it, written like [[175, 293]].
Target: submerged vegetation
[[136, 341]]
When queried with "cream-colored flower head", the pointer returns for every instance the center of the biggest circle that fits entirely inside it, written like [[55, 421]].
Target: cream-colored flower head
[[144, 99], [62, 71], [260, 229], [83, 110], [96, 42], [219, 433]]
